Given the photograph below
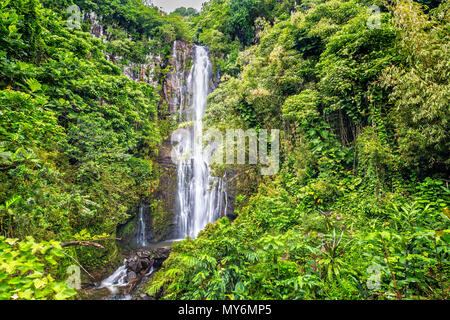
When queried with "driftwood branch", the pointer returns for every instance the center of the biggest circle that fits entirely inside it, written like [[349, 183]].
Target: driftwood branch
[[82, 243], [103, 239], [87, 243]]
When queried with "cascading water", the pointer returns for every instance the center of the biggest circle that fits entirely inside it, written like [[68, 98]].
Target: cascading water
[[119, 278], [141, 232], [116, 280], [201, 197]]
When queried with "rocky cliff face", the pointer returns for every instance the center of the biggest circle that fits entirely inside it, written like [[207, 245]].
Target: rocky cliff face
[[164, 197], [174, 104], [97, 28], [175, 95], [175, 90], [144, 72]]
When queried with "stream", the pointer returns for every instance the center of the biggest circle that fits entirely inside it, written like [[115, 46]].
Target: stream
[[127, 282]]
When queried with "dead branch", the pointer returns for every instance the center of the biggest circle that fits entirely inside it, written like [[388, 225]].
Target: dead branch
[[82, 243], [68, 255]]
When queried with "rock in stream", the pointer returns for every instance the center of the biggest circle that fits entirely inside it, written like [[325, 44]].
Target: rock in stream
[[136, 269]]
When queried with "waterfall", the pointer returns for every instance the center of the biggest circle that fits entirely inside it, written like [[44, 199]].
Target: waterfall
[[141, 233], [201, 198]]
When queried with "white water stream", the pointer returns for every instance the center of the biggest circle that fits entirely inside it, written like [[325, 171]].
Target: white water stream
[[141, 232], [201, 198]]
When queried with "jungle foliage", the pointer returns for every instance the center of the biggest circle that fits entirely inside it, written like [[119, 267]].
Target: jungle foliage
[[360, 207], [77, 140]]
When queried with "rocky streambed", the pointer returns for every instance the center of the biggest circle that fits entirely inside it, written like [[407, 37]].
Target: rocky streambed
[[129, 280]]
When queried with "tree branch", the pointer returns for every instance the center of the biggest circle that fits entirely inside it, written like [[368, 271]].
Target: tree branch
[[68, 255], [82, 243]]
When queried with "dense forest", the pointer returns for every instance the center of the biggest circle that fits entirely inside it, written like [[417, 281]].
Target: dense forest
[[359, 90]]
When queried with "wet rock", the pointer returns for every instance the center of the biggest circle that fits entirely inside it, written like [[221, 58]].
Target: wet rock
[[143, 260], [144, 254], [132, 264], [162, 252], [88, 285], [175, 90], [145, 265], [131, 275], [159, 255], [144, 297]]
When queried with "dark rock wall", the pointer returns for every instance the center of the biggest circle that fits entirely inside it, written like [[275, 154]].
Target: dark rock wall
[[164, 198]]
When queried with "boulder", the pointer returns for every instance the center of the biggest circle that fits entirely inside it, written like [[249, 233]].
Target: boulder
[[144, 297], [143, 260], [131, 275]]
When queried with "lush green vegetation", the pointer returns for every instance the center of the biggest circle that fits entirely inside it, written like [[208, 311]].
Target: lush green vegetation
[[186, 12], [78, 141], [19, 258], [359, 209], [226, 27]]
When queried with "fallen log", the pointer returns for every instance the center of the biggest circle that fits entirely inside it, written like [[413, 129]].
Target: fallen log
[[82, 243]]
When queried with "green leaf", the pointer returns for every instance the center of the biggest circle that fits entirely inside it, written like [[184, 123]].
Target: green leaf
[[34, 85]]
